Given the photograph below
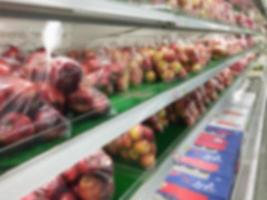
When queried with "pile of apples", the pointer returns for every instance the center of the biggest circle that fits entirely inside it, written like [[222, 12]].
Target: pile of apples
[[136, 145], [89, 179], [33, 88], [35, 95], [220, 10], [115, 69], [193, 105], [159, 121]]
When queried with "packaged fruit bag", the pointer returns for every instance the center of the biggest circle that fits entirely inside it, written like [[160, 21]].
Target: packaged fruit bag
[[25, 116], [37, 94], [137, 146], [60, 83], [89, 179]]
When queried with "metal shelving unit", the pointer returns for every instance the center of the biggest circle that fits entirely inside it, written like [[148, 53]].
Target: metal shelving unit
[[44, 167], [111, 12], [93, 139]]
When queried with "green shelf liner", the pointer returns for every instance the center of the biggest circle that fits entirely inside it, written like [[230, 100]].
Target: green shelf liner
[[120, 103]]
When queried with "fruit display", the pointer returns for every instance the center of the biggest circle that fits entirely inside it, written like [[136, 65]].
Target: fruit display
[[37, 93], [61, 84], [117, 69], [46, 89], [238, 12], [89, 179], [136, 145], [192, 106]]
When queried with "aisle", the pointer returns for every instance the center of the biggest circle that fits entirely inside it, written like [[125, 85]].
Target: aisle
[[261, 192]]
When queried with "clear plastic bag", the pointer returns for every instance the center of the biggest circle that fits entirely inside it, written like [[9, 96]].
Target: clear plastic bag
[[88, 100], [25, 116], [89, 179]]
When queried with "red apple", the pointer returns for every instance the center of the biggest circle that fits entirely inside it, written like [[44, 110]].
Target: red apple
[[81, 101], [83, 166], [51, 95], [100, 103], [142, 147], [65, 74], [4, 68], [169, 55], [147, 63], [12, 52], [86, 100], [14, 127], [36, 67], [50, 123], [148, 133], [148, 160], [91, 187], [125, 141]]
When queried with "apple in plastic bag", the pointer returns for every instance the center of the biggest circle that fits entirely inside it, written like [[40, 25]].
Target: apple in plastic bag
[[49, 122], [36, 67], [24, 97], [92, 187], [14, 127], [51, 95], [14, 66], [4, 68], [65, 74], [87, 99]]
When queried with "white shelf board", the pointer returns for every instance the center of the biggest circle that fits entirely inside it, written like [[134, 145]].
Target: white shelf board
[[46, 166], [112, 12]]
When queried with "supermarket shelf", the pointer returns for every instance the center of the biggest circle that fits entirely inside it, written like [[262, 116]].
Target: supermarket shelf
[[110, 12], [44, 167], [147, 190], [247, 177]]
